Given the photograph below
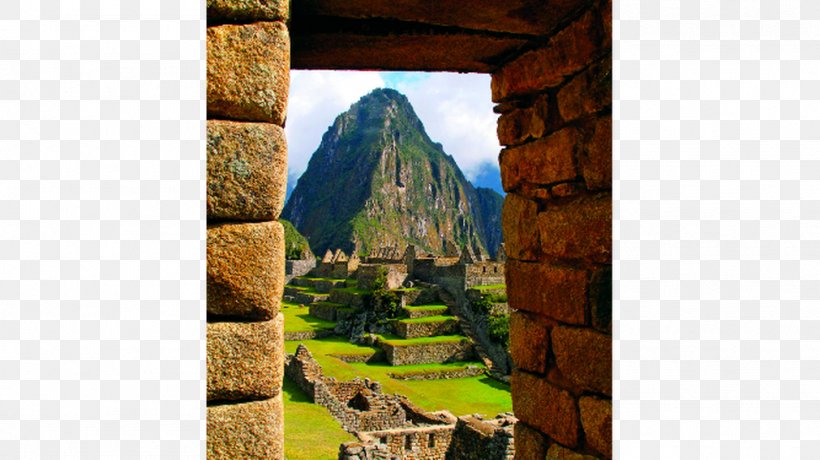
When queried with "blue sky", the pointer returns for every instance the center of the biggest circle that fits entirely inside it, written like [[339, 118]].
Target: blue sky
[[455, 108]]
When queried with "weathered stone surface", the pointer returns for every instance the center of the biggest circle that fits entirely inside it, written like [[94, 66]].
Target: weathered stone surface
[[522, 124], [529, 343], [248, 71], [247, 10], [595, 157], [247, 170], [588, 92], [545, 161], [392, 50], [512, 16], [600, 299], [558, 452], [553, 291], [246, 430], [245, 360], [529, 443], [584, 357], [567, 52], [596, 420], [578, 229], [520, 235], [246, 266], [546, 407], [425, 353]]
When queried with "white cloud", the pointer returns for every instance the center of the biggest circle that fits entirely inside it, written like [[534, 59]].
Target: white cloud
[[316, 98], [455, 108], [457, 111]]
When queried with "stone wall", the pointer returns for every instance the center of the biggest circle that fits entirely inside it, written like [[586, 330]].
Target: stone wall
[[248, 50], [555, 103], [477, 439], [414, 329], [395, 275], [358, 405], [428, 353], [483, 273], [294, 268]]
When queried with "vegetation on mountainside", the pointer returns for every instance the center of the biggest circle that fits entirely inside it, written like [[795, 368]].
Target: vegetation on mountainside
[[296, 245]]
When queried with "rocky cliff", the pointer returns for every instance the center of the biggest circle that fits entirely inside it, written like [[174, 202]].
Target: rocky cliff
[[377, 179]]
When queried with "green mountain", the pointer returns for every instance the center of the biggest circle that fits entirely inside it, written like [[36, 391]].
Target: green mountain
[[377, 179], [296, 245]]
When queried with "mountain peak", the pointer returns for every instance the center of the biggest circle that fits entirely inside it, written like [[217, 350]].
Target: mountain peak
[[377, 179]]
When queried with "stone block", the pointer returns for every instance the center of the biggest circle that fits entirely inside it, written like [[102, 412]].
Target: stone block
[[399, 48], [595, 157], [247, 170], [584, 357], [520, 17], [557, 292], [247, 10], [567, 52], [529, 443], [545, 161], [246, 267], [245, 360], [248, 71], [529, 342], [558, 452], [580, 229], [543, 406], [596, 420], [522, 124], [246, 430], [588, 92], [600, 299], [520, 233]]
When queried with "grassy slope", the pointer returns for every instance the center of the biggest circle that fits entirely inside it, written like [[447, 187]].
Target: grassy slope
[[298, 319], [429, 319], [426, 307], [489, 287], [460, 396], [400, 342], [310, 432]]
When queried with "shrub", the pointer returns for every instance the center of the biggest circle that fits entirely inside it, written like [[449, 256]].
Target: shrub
[[498, 328], [385, 303]]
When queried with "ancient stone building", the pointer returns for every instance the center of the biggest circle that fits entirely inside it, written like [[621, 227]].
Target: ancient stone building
[[550, 62]]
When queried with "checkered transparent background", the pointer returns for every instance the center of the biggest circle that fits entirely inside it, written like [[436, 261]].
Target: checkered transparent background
[[102, 324], [717, 225], [717, 143]]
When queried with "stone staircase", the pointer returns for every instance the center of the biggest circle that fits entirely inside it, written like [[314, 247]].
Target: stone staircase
[[467, 330]]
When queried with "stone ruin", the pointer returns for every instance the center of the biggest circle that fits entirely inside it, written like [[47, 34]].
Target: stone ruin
[[389, 426], [336, 265]]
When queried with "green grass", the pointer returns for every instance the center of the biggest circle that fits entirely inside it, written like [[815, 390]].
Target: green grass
[[397, 341], [353, 290], [490, 287], [427, 307], [429, 319], [314, 278], [297, 318], [310, 431], [479, 394]]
